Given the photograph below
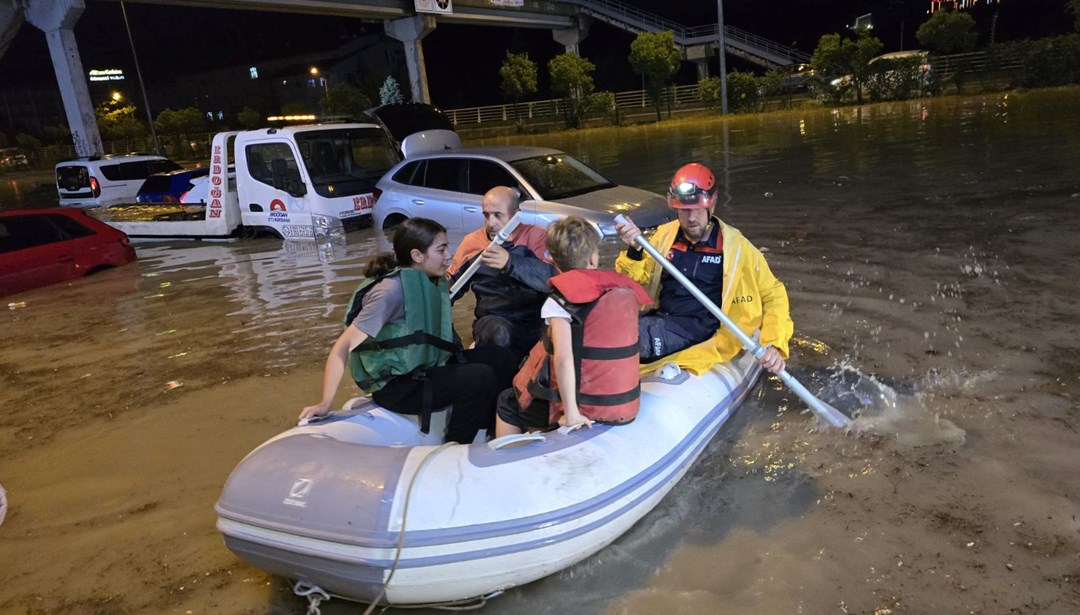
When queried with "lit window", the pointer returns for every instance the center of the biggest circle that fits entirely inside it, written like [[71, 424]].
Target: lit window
[[254, 72]]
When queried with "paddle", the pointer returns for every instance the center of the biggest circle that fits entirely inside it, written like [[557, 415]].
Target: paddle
[[501, 237], [823, 410]]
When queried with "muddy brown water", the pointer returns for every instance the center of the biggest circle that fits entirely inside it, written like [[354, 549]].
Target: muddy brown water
[[931, 245]]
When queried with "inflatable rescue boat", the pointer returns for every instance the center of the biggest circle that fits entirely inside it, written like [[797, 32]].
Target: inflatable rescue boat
[[364, 506]]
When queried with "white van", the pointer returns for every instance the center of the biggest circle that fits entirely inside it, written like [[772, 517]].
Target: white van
[[106, 180]]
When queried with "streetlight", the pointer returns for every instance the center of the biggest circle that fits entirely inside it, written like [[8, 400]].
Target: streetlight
[[315, 73], [117, 96]]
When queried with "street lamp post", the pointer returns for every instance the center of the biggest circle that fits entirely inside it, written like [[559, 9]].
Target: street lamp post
[[720, 46], [138, 73]]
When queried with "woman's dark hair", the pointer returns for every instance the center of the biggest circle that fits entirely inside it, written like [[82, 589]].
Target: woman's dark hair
[[412, 234]]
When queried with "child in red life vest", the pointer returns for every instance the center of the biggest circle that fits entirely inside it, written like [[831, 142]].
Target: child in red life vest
[[585, 368]]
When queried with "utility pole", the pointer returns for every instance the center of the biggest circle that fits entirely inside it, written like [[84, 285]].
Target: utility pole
[[138, 73], [721, 47]]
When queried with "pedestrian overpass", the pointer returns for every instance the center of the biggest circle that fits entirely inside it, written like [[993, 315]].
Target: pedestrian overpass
[[569, 21]]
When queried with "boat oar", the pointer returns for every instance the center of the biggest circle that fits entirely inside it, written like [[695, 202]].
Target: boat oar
[[500, 238], [823, 410]]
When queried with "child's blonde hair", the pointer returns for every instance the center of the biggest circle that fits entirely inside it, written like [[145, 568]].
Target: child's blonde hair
[[570, 243]]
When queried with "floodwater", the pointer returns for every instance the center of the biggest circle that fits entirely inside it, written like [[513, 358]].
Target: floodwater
[[929, 247]]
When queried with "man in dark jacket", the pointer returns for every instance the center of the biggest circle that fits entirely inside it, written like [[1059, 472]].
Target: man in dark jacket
[[512, 282]]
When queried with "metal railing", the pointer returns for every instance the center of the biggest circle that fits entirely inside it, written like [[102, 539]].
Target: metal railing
[[975, 62], [636, 20], [554, 108]]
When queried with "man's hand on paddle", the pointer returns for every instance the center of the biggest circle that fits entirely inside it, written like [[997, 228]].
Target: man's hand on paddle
[[772, 360], [628, 232], [495, 256]]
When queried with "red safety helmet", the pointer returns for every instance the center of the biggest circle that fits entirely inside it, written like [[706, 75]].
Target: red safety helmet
[[693, 187]]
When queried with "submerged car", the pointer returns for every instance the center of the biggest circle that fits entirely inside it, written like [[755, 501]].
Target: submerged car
[[447, 185], [106, 180], [39, 247], [168, 187]]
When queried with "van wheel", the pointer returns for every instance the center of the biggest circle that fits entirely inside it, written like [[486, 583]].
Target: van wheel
[[392, 221]]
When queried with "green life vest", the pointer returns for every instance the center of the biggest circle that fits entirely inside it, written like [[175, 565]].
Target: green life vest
[[424, 339]]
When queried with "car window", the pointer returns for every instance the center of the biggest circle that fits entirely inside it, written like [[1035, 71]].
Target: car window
[[69, 228], [261, 155], [163, 166], [73, 177], [22, 232], [559, 176], [486, 174], [407, 174], [156, 183], [445, 174], [112, 172]]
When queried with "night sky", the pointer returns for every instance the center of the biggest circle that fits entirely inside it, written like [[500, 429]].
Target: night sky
[[172, 41]]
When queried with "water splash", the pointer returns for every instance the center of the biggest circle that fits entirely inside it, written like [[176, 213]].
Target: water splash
[[877, 409]]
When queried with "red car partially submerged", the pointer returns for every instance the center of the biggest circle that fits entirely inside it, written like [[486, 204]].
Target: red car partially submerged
[[39, 247]]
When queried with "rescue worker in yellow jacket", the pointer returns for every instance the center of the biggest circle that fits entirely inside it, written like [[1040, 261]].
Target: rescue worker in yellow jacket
[[723, 264]]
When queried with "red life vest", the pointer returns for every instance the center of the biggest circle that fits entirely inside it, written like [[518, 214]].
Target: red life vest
[[604, 309]]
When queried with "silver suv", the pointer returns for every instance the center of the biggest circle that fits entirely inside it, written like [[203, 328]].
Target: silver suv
[[106, 180]]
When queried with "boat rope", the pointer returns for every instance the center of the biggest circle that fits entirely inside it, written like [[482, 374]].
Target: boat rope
[[313, 593], [404, 517]]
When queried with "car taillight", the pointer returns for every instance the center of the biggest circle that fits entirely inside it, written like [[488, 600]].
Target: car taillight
[[95, 187], [375, 194], [183, 197]]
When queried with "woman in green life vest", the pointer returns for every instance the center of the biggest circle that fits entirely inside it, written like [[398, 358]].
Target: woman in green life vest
[[399, 343]]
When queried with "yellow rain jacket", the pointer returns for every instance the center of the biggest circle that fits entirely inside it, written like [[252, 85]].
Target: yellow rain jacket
[[753, 298]]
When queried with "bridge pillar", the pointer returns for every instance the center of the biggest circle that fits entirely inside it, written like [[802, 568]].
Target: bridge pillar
[[702, 69], [57, 20], [570, 38], [411, 32]]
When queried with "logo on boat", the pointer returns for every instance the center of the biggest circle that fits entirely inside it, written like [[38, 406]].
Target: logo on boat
[[298, 492]]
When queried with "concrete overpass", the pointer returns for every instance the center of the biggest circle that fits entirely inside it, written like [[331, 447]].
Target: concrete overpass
[[568, 20]]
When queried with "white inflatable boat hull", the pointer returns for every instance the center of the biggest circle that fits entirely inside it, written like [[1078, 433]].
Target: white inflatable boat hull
[[324, 503]]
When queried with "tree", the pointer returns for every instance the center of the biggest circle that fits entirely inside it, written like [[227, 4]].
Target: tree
[[948, 32], [744, 91], [518, 78], [390, 92], [180, 125], [117, 122], [294, 108], [346, 99], [249, 118], [653, 56], [1073, 7], [571, 79], [709, 92], [845, 59]]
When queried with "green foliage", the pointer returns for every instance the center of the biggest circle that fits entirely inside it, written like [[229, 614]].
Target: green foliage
[[897, 79], [604, 105], [57, 135], [571, 79], [744, 91], [948, 32], [1047, 61], [345, 99], [389, 93], [517, 76], [181, 126], [709, 90], [249, 118], [849, 60], [118, 123], [294, 108], [653, 56], [27, 142]]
